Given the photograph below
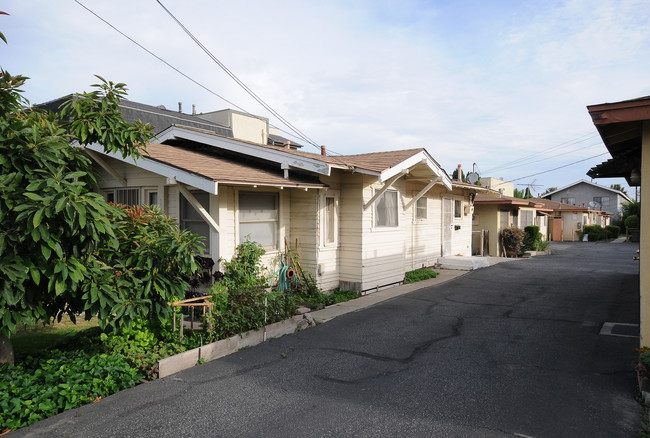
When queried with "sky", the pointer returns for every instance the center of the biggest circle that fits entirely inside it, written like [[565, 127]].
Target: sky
[[500, 87]]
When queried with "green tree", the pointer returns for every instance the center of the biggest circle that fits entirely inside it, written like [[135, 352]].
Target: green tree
[[454, 175], [62, 246], [518, 193], [549, 190], [618, 187]]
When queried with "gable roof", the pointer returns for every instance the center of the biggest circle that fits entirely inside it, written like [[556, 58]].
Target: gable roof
[[582, 181], [384, 165]]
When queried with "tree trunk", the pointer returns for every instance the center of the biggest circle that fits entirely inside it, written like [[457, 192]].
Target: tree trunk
[[6, 350]]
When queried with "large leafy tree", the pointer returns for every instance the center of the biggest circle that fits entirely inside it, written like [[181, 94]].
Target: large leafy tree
[[63, 249]]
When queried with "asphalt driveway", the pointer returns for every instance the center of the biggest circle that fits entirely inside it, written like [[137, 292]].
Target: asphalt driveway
[[510, 350]]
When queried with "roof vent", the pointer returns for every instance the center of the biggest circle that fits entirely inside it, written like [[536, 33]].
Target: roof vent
[[180, 107], [162, 107], [323, 151]]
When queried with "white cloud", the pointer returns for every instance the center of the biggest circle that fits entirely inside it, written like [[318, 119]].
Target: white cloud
[[470, 81]]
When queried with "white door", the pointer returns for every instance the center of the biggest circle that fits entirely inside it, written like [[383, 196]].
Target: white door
[[446, 226]]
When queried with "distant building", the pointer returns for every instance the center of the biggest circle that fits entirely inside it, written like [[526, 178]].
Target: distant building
[[590, 195], [504, 187]]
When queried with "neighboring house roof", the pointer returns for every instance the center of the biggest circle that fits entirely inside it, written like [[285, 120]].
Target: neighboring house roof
[[278, 140], [497, 199], [582, 181], [157, 116], [161, 118], [558, 206]]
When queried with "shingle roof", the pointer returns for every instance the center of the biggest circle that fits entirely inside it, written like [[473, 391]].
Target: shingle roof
[[161, 118], [482, 198], [223, 170], [373, 161], [558, 206]]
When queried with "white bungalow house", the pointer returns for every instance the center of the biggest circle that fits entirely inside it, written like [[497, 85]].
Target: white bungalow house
[[361, 221]]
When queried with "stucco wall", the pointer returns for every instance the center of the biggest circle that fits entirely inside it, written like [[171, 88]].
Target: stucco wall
[[585, 193]]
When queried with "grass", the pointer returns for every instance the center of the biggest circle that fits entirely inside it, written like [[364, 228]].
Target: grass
[[31, 339], [419, 275]]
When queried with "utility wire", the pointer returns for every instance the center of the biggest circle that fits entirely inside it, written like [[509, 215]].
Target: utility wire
[[238, 81], [556, 168], [549, 157], [174, 68], [567, 143]]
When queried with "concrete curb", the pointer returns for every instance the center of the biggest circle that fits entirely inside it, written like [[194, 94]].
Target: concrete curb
[[224, 347]]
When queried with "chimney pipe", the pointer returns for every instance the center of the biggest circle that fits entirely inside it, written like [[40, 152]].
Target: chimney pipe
[[193, 109], [287, 145], [180, 107], [460, 173], [323, 151]]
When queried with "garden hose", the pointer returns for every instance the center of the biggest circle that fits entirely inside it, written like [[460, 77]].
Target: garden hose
[[285, 274]]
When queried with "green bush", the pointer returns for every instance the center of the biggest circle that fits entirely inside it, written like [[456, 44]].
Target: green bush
[[533, 239], [419, 275], [513, 241], [613, 231], [38, 389], [595, 232], [631, 222]]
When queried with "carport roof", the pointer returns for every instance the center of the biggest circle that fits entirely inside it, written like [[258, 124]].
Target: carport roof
[[620, 126]]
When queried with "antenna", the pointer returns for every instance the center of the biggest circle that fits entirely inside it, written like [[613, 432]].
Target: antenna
[[532, 186]]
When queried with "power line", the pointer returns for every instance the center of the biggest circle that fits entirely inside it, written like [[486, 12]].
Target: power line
[[564, 144], [238, 81], [560, 167], [549, 157], [174, 68]]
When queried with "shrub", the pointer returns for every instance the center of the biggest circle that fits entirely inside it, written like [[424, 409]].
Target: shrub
[[513, 241], [533, 239], [613, 231], [632, 222], [595, 232], [419, 275]]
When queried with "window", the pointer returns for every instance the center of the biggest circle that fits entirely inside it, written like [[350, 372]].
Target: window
[[604, 201], [421, 208], [151, 196], [258, 218], [127, 196], [191, 220], [386, 209], [598, 201], [527, 218], [458, 209], [571, 201], [329, 220]]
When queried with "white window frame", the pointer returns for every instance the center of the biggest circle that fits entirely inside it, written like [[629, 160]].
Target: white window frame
[[458, 210], [376, 206], [419, 209], [325, 217], [184, 203], [113, 195], [276, 245], [148, 191]]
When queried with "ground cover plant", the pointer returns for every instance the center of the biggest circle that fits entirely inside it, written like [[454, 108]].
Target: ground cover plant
[[419, 275]]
